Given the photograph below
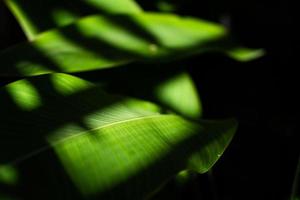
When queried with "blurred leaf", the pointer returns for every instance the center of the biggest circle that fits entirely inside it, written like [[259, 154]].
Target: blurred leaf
[[8, 175], [112, 146], [245, 54], [38, 16], [75, 49], [98, 42], [179, 92]]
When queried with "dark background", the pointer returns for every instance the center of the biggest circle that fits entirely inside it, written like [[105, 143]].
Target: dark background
[[261, 161]]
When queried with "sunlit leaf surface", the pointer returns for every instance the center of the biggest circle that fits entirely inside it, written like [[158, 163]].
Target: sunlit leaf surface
[[174, 90], [98, 42], [180, 93], [38, 16], [33, 19], [108, 146]]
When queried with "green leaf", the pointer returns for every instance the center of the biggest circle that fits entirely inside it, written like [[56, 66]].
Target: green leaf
[[179, 93], [38, 16], [98, 42], [109, 146], [174, 90], [164, 91], [245, 54], [8, 175]]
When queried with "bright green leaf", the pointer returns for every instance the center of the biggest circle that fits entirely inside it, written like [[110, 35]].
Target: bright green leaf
[[109, 146], [38, 16], [8, 175], [245, 54], [99, 42], [179, 93], [62, 13]]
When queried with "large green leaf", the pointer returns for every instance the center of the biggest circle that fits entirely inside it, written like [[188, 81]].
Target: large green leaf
[[38, 16], [109, 146], [177, 92], [98, 42]]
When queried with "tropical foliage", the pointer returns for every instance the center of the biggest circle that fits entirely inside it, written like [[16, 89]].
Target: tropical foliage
[[125, 133]]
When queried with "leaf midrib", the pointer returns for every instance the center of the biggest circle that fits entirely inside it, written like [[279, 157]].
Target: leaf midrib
[[45, 148]]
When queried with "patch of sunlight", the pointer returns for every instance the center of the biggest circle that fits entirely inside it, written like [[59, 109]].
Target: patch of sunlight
[[245, 54], [143, 106], [25, 95], [120, 111], [8, 175], [113, 154], [123, 6], [171, 31], [180, 94], [116, 35], [69, 56], [65, 132], [63, 17], [67, 85]]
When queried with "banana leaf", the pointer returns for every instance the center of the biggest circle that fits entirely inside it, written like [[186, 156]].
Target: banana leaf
[[68, 139]]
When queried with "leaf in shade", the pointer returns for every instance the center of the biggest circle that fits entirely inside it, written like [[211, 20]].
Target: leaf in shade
[[174, 90], [178, 92], [98, 42], [38, 16], [109, 146]]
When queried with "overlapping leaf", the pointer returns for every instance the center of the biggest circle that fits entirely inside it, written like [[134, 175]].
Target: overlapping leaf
[[106, 41], [108, 145], [103, 41], [39, 16], [179, 93], [98, 42]]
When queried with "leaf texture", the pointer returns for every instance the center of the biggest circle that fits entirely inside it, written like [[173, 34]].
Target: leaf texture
[[108, 146]]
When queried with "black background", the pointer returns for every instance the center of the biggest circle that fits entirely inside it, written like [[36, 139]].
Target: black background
[[261, 161]]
